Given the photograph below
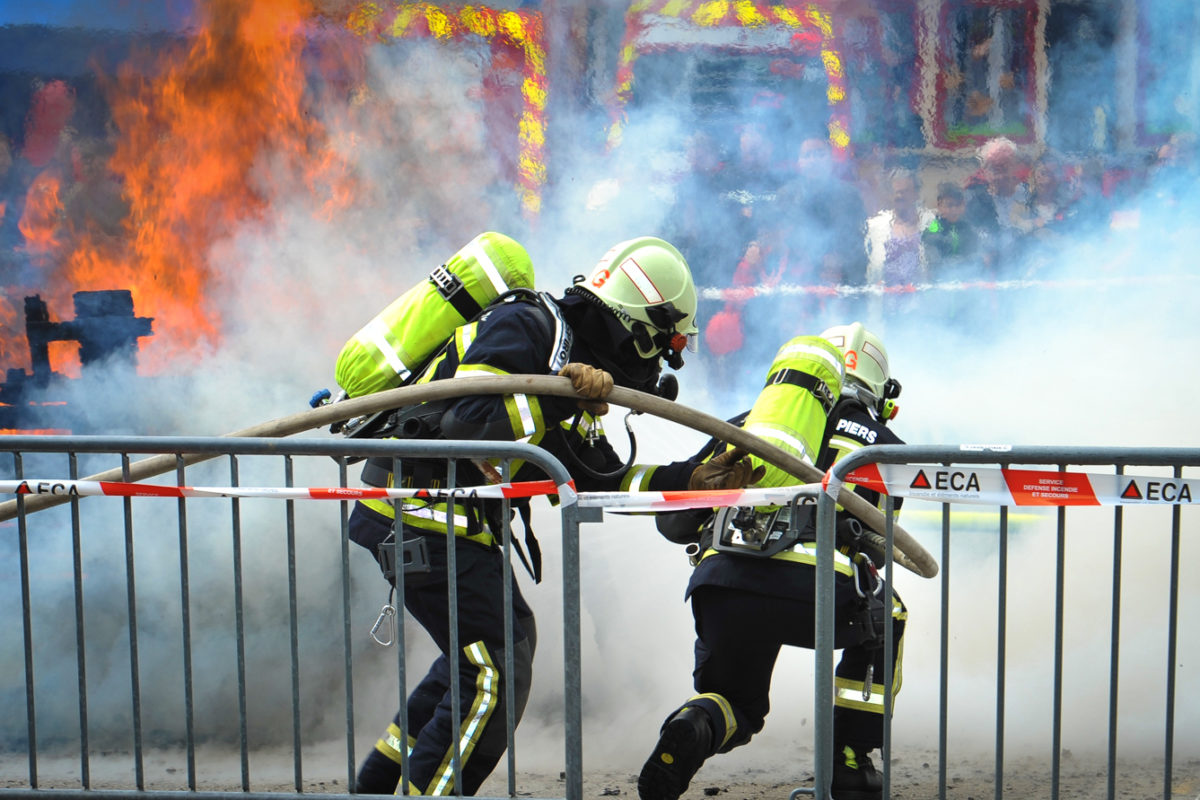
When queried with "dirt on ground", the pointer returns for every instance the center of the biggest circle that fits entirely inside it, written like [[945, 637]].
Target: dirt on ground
[[915, 775]]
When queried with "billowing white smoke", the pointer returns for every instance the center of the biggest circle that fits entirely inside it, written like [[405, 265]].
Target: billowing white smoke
[[1095, 350]]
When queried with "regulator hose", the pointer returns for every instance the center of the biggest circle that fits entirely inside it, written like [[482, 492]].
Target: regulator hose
[[907, 552]]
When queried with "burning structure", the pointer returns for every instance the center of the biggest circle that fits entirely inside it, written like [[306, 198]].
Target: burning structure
[[107, 333]]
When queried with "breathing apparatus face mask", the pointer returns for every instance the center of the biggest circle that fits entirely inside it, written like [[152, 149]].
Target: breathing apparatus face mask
[[661, 336]]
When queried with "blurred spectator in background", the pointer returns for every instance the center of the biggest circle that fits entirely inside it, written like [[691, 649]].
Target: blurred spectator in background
[[895, 255], [698, 213], [951, 242], [751, 191], [700, 217], [1045, 200], [824, 213], [993, 194], [1173, 173]]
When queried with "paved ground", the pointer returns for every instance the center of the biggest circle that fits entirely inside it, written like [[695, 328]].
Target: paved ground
[[914, 777]]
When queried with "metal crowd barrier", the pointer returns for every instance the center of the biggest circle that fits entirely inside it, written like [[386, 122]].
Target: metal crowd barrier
[[36, 566], [955, 477], [47, 555]]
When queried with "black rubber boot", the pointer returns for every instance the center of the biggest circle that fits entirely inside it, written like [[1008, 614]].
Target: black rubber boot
[[685, 741], [854, 776], [377, 775]]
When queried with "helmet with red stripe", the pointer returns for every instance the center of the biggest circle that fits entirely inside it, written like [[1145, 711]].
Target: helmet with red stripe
[[648, 285]]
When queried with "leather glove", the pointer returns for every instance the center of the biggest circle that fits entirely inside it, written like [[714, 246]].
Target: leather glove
[[591, 383], [730, 470]]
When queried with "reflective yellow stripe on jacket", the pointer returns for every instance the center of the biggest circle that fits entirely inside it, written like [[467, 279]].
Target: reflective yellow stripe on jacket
[[803, 553]]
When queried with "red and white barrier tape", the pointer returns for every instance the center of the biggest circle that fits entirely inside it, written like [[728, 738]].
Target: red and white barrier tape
[[743, 293], [624, 501], [1022, 487], [120, 489], [977, 486]]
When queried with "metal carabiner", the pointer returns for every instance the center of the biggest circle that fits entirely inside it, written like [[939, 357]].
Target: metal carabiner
[[872, 576], [387, 615]]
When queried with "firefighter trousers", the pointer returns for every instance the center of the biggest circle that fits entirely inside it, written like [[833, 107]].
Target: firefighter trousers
[[739, 635], [480, 676]]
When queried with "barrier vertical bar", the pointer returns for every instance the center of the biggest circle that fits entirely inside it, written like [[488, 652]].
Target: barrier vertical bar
[[1115, 647], [889, 639], [80, 637], [1060, 603], [944, 653], [400, 641], [27, 627], [1172, 642], [293, 626], [572, 649], [131, 595], [823, 649], [347, 649], [185, 603], [1001, 645], [510, 694], [455, 653], [240, 625]]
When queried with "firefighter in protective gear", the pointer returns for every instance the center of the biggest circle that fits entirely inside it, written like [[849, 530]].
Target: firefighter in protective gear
[[615, 327], [747, 604]]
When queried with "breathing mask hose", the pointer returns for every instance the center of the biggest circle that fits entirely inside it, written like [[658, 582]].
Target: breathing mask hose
[[577, 461]]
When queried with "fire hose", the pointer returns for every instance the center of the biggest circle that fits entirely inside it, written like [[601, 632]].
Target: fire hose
[[906, 551]]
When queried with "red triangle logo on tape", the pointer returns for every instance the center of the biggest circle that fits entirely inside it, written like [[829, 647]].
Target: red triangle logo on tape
[[1131, 492], [920, 482], [24, 488]]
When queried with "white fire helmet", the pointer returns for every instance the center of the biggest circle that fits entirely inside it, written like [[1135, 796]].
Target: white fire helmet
[[866, 358], [648, 285]]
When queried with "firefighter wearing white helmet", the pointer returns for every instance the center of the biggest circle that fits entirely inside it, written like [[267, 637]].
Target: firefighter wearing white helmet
[[866, 367], [752, 590], [616, 328], [647, 285]]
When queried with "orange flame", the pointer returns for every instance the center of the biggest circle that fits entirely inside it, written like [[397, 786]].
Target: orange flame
[[195, 145]]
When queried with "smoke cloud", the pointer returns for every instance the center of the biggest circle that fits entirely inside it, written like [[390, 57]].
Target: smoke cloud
[[1085, 341]]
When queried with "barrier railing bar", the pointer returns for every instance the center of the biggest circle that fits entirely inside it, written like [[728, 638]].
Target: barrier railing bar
[[239, 625], [139, 765], [1172, 645], [80, 637], [944, 657], [185, 603], [1115, 646], [347, 638], [293, 625], [27, 625], [1001, 644], [1060, 604]]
